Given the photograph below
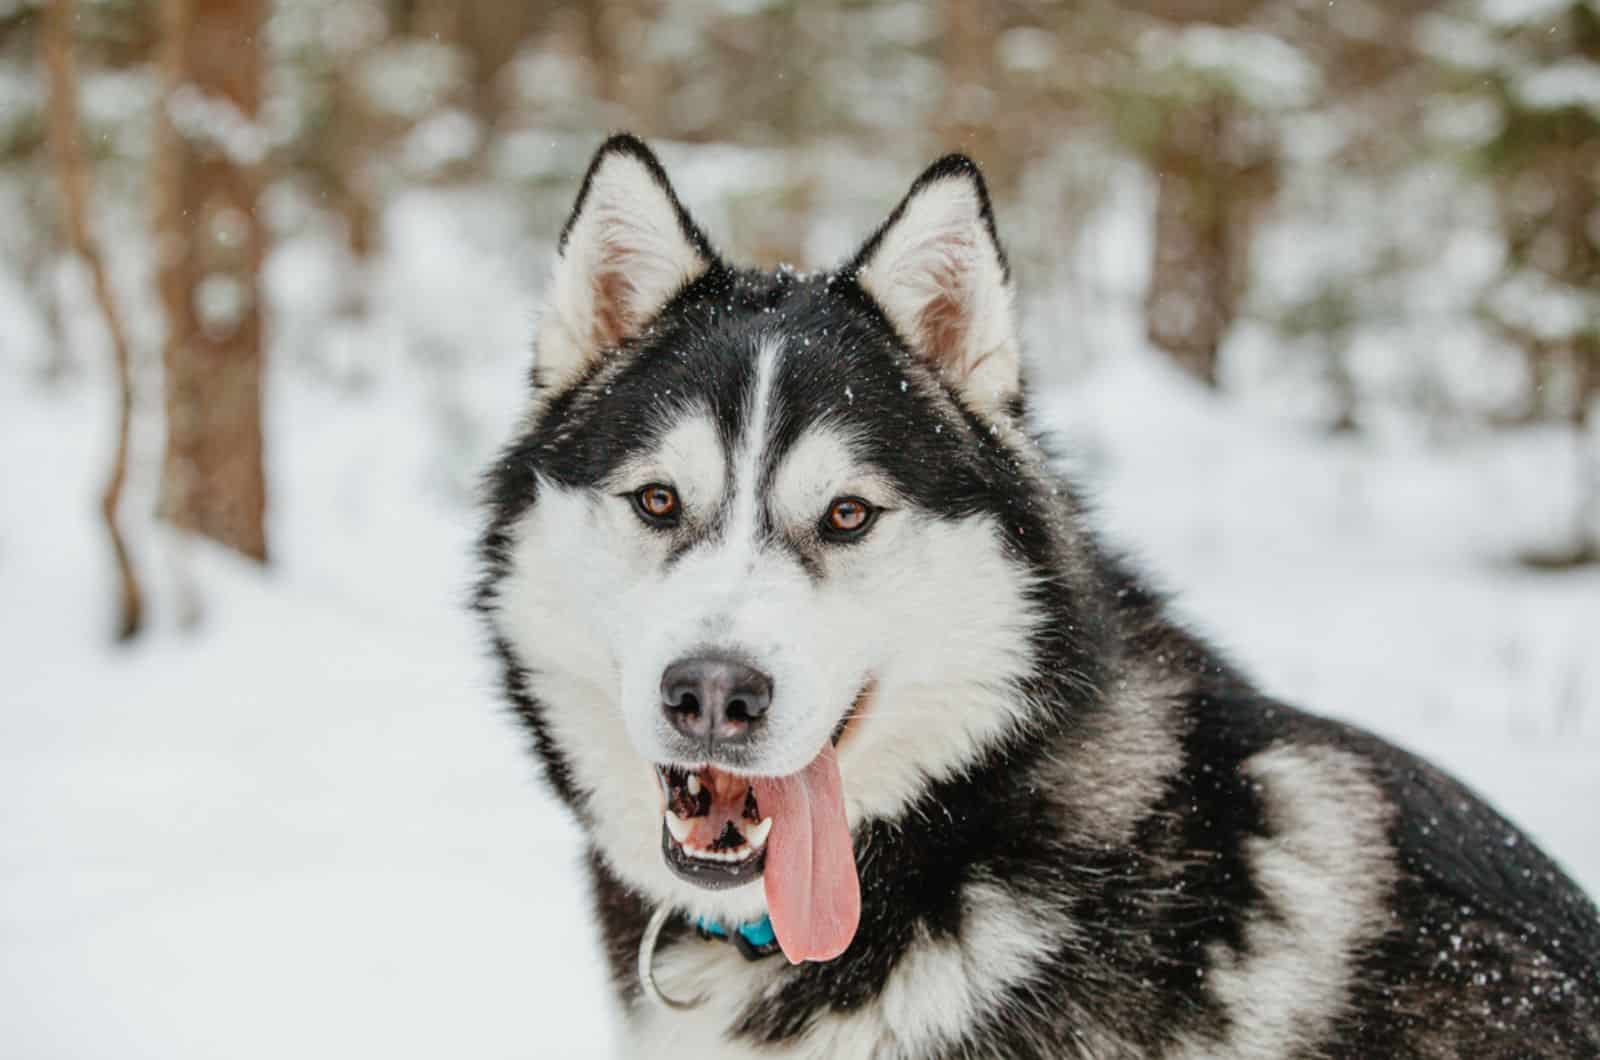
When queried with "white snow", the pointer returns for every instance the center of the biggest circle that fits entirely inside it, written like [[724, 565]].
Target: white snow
[[1026, 49], [448, 137], [1521, 12], [1266, 70], [220, 302], [1573, 83], [217, 123], [309, 828], [1543, 306], [409, 80], [1458, 42]]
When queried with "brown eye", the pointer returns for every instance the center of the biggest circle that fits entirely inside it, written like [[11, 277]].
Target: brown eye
[[847, 517], [657, 503]]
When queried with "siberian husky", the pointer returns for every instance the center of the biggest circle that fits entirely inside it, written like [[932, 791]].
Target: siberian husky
[[880, 752]]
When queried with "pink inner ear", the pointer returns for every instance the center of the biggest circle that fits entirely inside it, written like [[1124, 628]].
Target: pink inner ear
[[943, 323], [613, 298], [942, 327]]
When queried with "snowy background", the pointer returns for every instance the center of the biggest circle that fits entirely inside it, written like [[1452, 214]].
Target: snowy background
[[307, 826], [294, 818]]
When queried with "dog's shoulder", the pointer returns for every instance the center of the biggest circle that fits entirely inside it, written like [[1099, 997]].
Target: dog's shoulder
[[1492, 949], [1444, 836], [1465, 937], [1449, 841]]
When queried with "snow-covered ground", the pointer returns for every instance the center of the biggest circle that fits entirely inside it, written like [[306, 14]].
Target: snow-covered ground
[[306, 828]]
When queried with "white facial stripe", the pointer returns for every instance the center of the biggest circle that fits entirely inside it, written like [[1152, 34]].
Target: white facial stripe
[[745, 516], [689, 458]]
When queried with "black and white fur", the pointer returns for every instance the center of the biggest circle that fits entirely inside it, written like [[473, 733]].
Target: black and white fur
[[1079, 831]]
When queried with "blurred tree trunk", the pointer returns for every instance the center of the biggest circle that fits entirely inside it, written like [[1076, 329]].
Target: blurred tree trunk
[[73, 173], [1580, 355], [605, 65], [209, 250], [38, 266], [353, 140], [1212, 185], [1546, 161], [966, 120], [350, 145], [488, 32], [626, 83]]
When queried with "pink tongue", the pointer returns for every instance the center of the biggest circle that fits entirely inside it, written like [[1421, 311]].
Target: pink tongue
[[813, 895]]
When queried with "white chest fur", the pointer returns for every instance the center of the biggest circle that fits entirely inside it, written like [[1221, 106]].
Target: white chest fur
[[934, 995]]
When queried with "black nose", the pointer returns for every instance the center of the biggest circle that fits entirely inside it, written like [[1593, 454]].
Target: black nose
[[715, 700]]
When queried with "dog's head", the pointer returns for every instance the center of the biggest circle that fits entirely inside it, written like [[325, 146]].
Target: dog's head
[[762, 562]]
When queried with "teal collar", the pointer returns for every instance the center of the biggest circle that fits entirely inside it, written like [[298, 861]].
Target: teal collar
[[755, 940]]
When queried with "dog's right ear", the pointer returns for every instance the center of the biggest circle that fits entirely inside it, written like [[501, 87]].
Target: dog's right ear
[[627, 249]]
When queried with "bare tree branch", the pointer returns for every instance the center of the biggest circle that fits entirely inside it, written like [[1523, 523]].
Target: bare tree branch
[[73, 173]]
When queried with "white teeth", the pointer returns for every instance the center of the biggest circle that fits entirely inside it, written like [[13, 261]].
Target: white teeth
[[736, 854], [678, 827], [694, 784], [756, 834]]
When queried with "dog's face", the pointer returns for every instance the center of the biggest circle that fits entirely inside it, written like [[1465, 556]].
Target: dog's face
[[753, 563]]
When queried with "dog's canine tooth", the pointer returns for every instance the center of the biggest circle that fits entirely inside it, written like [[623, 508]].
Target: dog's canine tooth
[[694, 783], [679, 827], [756, 834]]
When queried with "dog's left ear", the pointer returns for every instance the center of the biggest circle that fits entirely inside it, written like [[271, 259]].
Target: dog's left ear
[[627, 249], [937, 271]]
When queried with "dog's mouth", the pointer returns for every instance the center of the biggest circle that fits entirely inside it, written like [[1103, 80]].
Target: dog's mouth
[[712, 833], [720, 830]]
